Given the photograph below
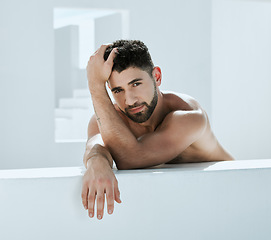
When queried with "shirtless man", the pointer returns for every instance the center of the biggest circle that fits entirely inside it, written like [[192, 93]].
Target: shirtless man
[[145, 127]]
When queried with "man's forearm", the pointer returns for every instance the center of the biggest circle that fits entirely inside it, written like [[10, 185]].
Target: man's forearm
[[116, 135]]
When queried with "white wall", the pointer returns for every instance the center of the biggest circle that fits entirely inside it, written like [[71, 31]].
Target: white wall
[[27, 84], [66, 42], [241, 76], [176, 32], [108, 29], [208, 201]]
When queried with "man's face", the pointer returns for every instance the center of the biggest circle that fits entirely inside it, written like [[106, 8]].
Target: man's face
[[134, 91]]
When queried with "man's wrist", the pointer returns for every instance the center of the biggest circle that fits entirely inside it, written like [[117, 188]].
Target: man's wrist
[[96, 87], [93, 158], [97, 158]]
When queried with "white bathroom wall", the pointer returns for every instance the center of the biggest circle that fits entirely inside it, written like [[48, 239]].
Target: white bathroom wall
[[176, 32], [108, 29], [26, 83], [241, 76], [66, 42], [234, 89]]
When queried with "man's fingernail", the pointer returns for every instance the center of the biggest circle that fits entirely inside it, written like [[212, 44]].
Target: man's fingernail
[[99, 217], [90, 215], [110, 211], [85, 207]]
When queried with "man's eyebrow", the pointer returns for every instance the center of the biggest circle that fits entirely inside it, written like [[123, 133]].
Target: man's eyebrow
[[135, 80], [130, 83]]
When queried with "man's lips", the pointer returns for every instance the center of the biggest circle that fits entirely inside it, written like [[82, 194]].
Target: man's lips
[[136, 109]]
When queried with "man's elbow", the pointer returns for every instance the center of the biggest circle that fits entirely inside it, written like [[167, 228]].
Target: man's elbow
[[131, 163], [126, 159], [123, 166]]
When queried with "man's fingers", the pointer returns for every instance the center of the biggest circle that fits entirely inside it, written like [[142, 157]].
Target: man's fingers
[[102, 49], [117, 193], [112, 55], [110, 199], [91, 202], [84, 196], [100, 203], [95, 52]]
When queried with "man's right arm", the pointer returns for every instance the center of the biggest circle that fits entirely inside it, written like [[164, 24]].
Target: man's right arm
[[99, 177]]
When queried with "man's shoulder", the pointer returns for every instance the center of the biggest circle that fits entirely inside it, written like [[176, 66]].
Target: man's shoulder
[[183, 111], [180, 101]]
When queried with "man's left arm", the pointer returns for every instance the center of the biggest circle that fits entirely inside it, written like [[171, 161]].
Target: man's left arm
[[178, 130]]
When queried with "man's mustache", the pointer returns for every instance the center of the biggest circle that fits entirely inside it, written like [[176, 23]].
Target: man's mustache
[[136, 105]]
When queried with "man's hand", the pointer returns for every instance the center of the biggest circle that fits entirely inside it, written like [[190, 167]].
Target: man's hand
[[99, 180], [98, 70]]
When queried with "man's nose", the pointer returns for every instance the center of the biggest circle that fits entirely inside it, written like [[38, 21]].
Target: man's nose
[[130, 98]]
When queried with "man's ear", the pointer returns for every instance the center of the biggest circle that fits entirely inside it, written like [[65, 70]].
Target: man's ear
[[157, 75]]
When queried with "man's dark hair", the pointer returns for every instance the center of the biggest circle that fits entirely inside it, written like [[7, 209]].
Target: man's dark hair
[[131, 53]]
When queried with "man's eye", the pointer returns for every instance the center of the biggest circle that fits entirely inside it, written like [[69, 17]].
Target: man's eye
[[117, 91], [136, 84]]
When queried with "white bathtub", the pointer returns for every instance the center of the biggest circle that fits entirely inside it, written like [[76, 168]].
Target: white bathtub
[[212, 201]]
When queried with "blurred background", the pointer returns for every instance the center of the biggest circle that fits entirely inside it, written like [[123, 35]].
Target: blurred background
[[217, 51]]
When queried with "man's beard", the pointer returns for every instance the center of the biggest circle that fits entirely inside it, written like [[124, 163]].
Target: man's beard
[[141, 117]]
